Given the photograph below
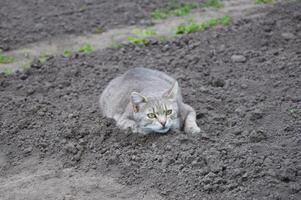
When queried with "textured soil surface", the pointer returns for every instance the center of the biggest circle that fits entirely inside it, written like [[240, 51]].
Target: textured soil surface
[[243, 80], [26, 21]]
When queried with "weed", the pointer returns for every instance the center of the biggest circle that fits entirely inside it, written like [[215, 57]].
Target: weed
[[141, 36], [115, 45], [213, 4], [183, 9], [25, 66], [159, 14], [163, 38], [194, 27], [143, 33], [7, 72], [294, 112], [86, 49], [138, 41], [264, 1], [175, 10], [5, 59], [43, 57], [67, 53], [98, 30]]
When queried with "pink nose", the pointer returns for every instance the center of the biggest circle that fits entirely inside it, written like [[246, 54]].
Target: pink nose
[[162, 120]]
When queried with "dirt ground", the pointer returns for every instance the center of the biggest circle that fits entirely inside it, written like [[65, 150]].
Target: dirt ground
[[27, 21], [243, 80]]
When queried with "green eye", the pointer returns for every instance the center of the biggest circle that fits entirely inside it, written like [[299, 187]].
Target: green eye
[[151, 115], [168, 112]]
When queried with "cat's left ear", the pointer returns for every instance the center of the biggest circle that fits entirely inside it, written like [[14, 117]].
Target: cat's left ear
[[136, 99], [172, 92]]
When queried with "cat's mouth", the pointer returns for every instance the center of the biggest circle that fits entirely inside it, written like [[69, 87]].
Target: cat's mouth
[[163, 130]]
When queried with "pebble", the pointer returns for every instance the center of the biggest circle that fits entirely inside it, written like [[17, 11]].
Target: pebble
[[238, 58], [27, 150], [256, 114], [257, 136], [288, 36], [70, 148]]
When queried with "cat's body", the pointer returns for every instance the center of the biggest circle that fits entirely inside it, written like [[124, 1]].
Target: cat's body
[[147, 101]]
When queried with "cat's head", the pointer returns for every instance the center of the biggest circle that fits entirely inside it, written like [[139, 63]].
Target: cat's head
[[156, 113]]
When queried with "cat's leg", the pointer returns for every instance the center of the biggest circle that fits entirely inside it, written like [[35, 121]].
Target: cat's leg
[[188, 116], [124, 122]]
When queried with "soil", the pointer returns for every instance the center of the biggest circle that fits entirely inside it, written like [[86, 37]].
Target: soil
[[243, 80], [28, 21]]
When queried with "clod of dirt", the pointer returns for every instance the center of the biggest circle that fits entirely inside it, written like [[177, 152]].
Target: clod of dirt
[[238, 58], [257, 136], [288, 36]]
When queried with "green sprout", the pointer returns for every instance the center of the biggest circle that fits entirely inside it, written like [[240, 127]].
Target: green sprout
[[98, 30], [141, 36], [86, 49], [176, 10], [264, 1], [115, 45], [43, 57], [7, 72], [194, 27], [213, 4], [6, 59], [67, 53]]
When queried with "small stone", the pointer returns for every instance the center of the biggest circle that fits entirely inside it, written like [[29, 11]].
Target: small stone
[[257, 136], [27, 150], [243, 86], [256, 114], [237, 131], [165, 163], [218, 82], [238, 58], [23, 76], [70, 148], [288, 36]]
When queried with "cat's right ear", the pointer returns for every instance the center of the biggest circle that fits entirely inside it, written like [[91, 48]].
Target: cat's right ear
[[137, 99]]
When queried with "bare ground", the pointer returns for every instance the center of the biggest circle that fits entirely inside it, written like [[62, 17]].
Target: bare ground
[[243, 80]]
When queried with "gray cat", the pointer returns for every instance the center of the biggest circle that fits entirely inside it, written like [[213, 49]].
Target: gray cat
[[146, 101]]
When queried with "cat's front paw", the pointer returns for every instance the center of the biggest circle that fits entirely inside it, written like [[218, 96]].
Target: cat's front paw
[[192, 130]]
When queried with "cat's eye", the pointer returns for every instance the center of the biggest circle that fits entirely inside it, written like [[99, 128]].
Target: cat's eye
[[151, 115], [168, 112]]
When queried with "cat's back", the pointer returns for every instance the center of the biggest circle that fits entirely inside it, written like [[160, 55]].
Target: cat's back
[[144, 75], [116, 95]]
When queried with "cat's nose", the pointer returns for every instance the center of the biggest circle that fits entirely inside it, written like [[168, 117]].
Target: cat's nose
[[162, 121]]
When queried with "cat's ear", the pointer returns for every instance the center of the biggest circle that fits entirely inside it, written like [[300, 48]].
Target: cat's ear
[[136, 99], [172, 92]]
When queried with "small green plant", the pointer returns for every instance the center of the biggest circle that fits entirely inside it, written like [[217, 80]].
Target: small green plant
[[194, 27], [67, 53], [148, 32], [138, 41], [163, 38], [7, 72], [43, 57], [86, 49], [183, 9], [174, 10], [141, 36], [6, 59], [264, 1], [213, 4], [98, 30], [115, 45], [25, 66], [294, 112]]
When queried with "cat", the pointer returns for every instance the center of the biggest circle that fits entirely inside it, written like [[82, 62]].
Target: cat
[[147, 101]]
